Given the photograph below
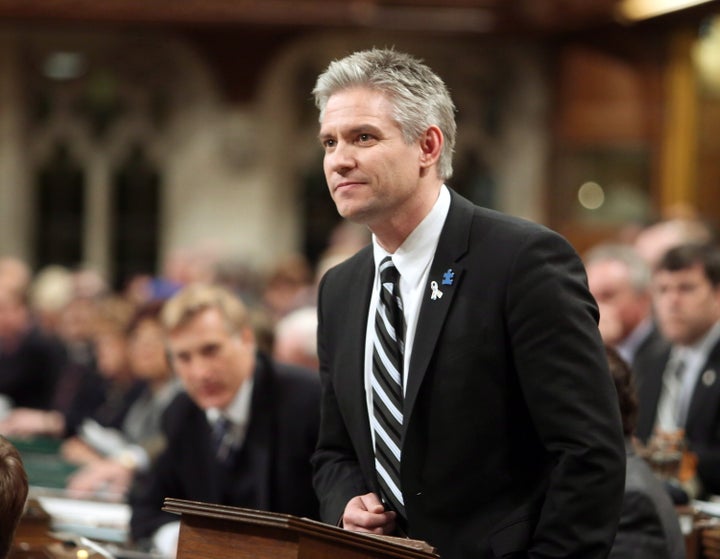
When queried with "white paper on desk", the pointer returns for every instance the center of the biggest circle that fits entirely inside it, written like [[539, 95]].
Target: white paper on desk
[[92, 519], [711, 508], [104, 440]]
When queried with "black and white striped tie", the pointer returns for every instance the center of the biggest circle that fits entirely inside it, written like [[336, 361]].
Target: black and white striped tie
[[387, 384]]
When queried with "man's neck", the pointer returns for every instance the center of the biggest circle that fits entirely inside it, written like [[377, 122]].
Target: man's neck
[[391, 233]]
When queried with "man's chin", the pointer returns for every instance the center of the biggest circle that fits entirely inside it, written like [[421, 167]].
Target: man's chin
[[209, 402], [354, 213]]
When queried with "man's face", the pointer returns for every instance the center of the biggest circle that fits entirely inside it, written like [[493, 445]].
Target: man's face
[[618, 300], [686, 303], [211, 361], [146, 351], [370, 170]]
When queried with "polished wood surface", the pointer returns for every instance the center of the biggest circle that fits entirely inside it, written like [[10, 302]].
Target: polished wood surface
[[224, 532]]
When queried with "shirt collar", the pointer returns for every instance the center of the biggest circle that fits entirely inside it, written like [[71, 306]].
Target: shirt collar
[[238, 410], [699, 351], [412, 257], [628, 347]]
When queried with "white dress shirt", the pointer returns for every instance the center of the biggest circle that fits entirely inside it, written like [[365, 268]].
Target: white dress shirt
[[412, 260]]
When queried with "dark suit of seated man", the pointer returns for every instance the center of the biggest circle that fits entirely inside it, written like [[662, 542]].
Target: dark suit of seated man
[[243, 432], [649, 526]]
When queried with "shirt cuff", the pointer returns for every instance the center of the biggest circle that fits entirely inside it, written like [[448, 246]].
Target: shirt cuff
[[165, 539]]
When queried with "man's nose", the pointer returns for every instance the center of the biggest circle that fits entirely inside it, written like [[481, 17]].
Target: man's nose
[[341, 157], [199, 369]]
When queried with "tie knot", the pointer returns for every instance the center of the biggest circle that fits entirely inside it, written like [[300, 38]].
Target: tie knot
[[223, 439], [388, 272], [679, 369], [221, 427]]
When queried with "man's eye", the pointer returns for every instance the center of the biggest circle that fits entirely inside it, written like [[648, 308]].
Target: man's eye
[[364, 137], [328, 143], [210, 350]]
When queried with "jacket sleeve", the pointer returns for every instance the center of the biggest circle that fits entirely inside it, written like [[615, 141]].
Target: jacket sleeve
[[150, 488], [337, 476], [563, 375]]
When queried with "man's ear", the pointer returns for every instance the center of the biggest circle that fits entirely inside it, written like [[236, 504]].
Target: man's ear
[[431, 143], [247, 335]]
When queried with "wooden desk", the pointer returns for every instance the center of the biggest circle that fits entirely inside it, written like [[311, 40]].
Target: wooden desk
[[223, 532]]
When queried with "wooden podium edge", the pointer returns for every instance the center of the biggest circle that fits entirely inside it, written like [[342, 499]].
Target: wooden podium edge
[[412, 549]]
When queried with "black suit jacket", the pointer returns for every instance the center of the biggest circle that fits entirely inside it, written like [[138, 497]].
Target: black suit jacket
[[649, 526], [702, 427], [29, 373], [512, 441], [648, 366], [282, 431]]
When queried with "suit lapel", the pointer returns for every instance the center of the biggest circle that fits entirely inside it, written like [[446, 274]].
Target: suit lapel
[[447, 271], [648, 369], [350, 382], [704, 396]]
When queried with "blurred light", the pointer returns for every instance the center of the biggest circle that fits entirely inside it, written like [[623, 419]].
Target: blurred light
[[706, 55], [591, 195], [645, 9], [64, 65]]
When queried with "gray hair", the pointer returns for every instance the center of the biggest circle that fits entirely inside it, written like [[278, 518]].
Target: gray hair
[[420, 98], [639, 271]]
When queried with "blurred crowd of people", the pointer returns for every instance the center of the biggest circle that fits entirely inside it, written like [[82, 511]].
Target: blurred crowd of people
[[88, 365], [92, 367], [658, 294]]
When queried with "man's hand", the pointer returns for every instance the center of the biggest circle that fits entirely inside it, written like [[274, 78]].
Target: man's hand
[[26, 422], [106, 478], [367, 514], [77, 451]]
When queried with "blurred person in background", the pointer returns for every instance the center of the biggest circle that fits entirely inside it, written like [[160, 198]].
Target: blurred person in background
[[51, 290], [14, 274], [13, 493], [681, 401], [181, 266], [30, 360], [113, 456], [620, 282], [101, 388], [295, 339], [111, 340], [289, 286], [89, 283], [243, 431], [79, 388], [649, 526]]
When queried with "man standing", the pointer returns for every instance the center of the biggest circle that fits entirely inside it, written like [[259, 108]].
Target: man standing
[[684, 392], [466, 396], [243, 433]]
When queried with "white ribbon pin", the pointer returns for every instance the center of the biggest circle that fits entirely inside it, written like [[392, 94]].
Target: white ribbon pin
[[709, 377], [436, 293]]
